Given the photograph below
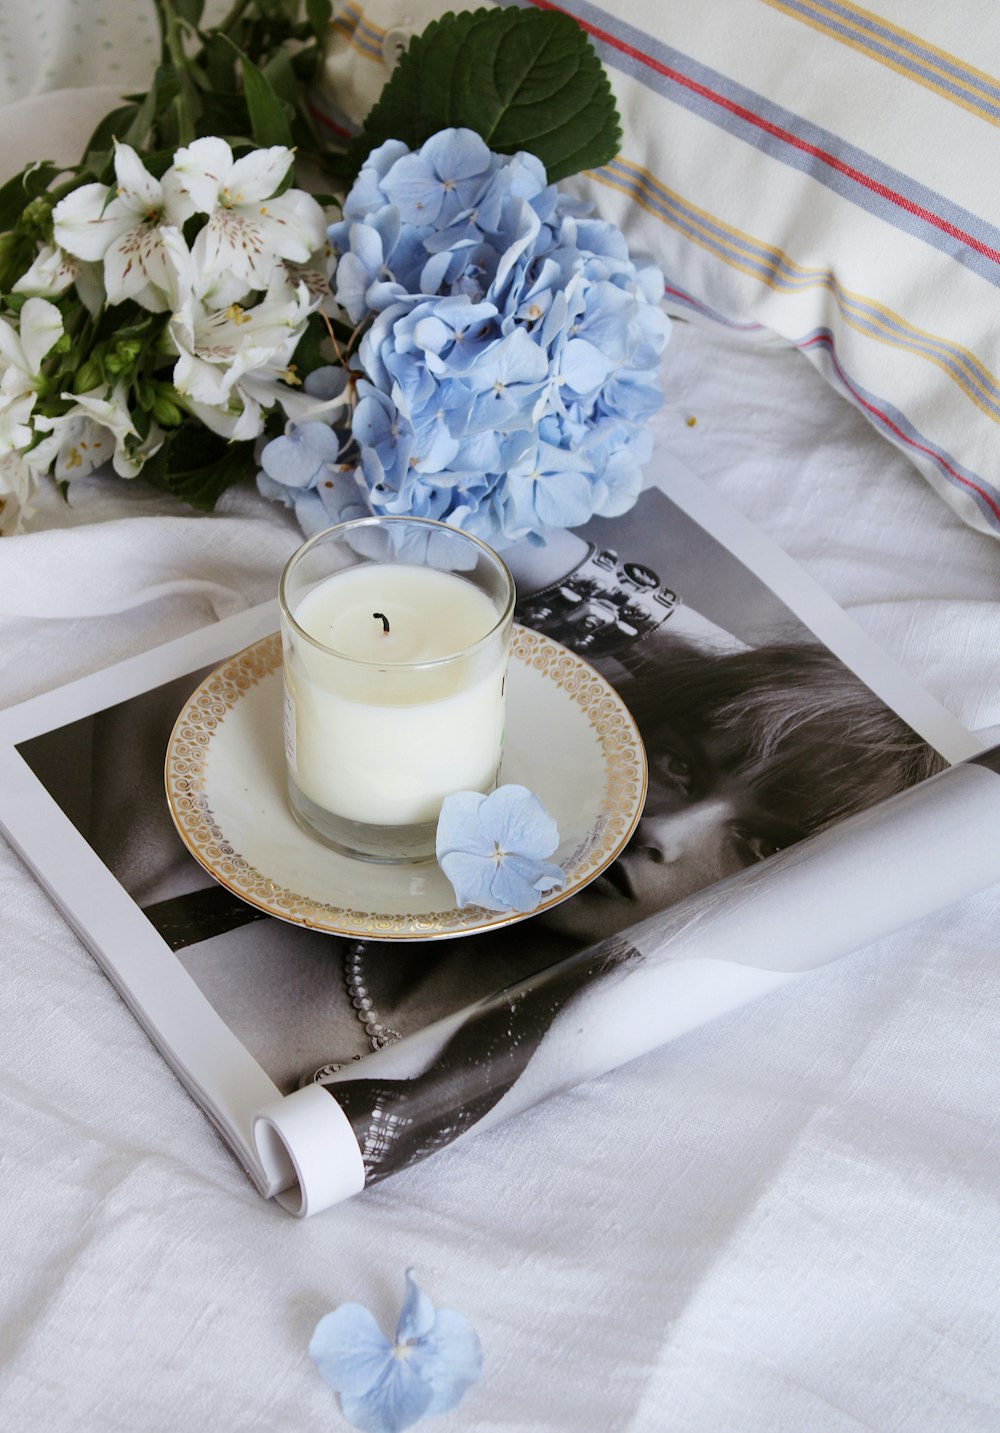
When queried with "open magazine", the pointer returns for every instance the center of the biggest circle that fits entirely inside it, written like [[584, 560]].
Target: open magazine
[[805, 797]]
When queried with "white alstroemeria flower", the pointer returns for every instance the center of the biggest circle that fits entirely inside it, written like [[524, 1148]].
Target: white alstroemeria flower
[[54, 271], [315, 273], [50, 275], [126, 230], [17, 485], [302, 406], [92, 431], [234, 340], [247, 229], [242, 416], [276, 384], [187, 284], [109, 410], [76, 445], [232, 361], [26, 348], [17, 399], [22, 353]]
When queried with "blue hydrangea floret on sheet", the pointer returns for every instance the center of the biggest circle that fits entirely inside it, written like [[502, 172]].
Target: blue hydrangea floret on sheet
[[388, 1385]]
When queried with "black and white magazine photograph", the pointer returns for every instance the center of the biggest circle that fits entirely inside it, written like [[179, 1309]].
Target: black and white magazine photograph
[[757, 737]]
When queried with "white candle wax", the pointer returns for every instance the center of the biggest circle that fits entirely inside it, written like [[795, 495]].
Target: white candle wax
[[372, 736]]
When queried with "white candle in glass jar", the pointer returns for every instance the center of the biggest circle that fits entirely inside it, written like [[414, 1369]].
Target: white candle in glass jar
[[381, 724]]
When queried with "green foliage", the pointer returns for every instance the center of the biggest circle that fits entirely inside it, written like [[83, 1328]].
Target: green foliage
[[311, 351], [100, 145], [246, 81], [17, 193], [190, 10], [524, 79], [269, 121], [320, 13], [198, 466]]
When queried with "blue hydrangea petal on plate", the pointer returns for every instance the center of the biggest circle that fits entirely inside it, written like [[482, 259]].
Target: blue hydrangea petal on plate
[[519, 883], [516, 820], [492, 848]]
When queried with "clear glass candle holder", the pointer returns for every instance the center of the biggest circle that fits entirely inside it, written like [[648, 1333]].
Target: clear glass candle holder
[[395, 635]]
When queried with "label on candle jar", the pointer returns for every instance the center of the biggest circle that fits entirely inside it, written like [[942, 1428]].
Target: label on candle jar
[[289, 722]]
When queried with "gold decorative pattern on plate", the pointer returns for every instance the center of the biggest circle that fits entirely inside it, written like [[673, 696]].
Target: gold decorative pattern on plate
[[201, 725]]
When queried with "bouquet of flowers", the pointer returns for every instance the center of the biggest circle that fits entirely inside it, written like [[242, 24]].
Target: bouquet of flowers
[[456, 339]]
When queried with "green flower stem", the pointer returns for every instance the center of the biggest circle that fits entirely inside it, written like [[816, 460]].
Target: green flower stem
[[236, 12], [171, 44], [185, 106], [79, 324]]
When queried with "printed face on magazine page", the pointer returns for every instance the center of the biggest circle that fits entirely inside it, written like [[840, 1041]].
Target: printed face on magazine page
[[749, 751], [700, 824]]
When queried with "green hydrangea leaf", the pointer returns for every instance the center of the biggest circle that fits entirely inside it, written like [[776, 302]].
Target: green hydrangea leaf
[[198, 466], [523, 79]]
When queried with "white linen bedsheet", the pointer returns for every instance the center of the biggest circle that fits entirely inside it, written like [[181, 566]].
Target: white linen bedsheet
[[783, 1223]]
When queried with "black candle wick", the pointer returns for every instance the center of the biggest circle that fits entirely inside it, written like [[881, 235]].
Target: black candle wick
[[384, 618]]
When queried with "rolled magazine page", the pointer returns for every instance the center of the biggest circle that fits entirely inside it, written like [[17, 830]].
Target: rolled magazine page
[[585, 1015]]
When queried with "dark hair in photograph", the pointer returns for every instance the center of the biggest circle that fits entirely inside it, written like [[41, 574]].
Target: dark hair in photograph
[[790, 721]]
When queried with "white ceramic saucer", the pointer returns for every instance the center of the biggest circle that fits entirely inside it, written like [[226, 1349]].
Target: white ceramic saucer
[[569, 738]]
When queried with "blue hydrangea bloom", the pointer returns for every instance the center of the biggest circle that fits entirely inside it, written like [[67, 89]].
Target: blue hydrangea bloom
[[298, 456], [387, 1386], [442, 180], [491, 848], [304, 467], [503, 322]]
